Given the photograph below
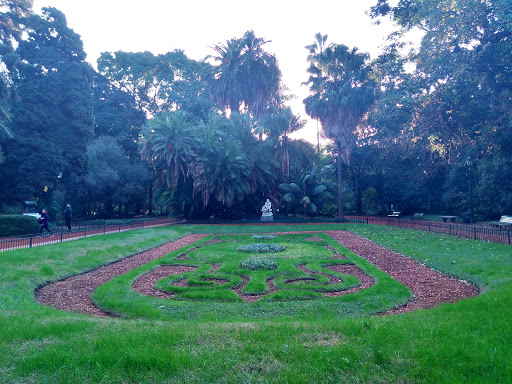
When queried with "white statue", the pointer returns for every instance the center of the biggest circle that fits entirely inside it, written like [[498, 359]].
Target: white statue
[[266, 211]]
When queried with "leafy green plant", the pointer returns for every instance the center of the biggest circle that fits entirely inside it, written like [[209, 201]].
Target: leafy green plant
[[255, 264], [261, 248], [12, 225], [264, 237]]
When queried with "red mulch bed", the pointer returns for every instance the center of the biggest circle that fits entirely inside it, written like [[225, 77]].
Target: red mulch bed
[[429, 287], [72, 294]]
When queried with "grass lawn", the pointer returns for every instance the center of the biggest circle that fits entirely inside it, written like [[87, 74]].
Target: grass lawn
[[297, 341]]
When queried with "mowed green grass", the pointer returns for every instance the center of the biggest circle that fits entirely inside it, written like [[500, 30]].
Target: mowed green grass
[[466, 342]]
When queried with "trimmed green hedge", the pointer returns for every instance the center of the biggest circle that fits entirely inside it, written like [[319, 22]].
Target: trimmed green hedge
[[11, 225]]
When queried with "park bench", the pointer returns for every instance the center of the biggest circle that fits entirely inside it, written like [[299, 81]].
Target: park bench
[[418, 216], [505, 222], [395, 214]]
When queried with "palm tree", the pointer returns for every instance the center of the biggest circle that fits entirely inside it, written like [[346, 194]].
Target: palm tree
[[244, 75], [308, 193], [341, 93], [279, 124], [222, 170], [231, 165], [169, 141]]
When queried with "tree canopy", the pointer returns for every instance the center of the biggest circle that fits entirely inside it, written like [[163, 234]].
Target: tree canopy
[[415, 129]]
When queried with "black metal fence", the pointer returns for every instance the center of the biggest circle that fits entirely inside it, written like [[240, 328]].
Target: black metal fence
[[276, 220], [79, 231], [469, 231], [476, 232]]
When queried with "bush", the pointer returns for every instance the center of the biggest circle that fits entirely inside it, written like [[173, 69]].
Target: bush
[[261, 248], [11, 225], [264, 237], [255, 264]]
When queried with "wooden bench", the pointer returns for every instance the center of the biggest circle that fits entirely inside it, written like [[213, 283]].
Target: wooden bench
[[448, 218], [505, 222], [395, 214], [418, 216]]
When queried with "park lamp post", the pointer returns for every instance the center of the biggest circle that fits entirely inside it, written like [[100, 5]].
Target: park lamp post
[[469, 165], [59, 176]]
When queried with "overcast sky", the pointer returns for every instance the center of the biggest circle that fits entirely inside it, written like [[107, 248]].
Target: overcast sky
[[160, 26]]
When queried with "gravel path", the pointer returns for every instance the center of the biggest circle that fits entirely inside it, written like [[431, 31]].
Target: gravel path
[[429, 287]]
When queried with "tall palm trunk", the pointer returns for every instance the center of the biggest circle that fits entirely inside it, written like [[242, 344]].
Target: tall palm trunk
[[340, 182]]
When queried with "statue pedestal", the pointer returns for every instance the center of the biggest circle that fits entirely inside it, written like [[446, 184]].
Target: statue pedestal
[[266, 212]]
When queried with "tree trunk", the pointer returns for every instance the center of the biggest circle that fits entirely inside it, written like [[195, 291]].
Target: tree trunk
[[150, 200], [356, 177], [110, 208], [340, 183]]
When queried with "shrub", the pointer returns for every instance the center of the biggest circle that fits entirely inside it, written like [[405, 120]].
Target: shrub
[[261, 248], [11, 225], [264, 237], [254, 264]]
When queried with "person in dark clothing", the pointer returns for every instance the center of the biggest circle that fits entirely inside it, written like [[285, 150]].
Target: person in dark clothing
[[44, 222], [68, 213]]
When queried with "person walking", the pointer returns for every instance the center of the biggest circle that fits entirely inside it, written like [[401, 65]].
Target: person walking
[[43, 220], [68, 213]]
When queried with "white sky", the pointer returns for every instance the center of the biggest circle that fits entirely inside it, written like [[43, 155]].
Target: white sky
[[160, 26]]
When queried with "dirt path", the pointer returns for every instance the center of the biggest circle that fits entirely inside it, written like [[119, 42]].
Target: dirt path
[[429, 287]]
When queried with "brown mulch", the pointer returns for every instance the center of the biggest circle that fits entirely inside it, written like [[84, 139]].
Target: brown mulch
[[72, 294], [429, 287], [252, 298], [145, 284]]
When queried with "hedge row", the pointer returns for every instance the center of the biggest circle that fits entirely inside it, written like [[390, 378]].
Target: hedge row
[[11, 225]]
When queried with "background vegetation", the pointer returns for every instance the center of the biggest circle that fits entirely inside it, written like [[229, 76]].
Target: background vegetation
[[147, 133]]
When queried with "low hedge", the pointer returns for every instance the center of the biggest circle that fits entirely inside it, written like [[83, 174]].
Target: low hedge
[[11, 225]]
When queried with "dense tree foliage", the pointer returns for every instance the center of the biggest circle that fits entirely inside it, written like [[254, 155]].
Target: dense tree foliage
[[412, 130], [444, 102], [52, 111]]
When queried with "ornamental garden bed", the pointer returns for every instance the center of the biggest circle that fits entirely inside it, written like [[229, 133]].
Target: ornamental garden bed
[[233, 276]]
